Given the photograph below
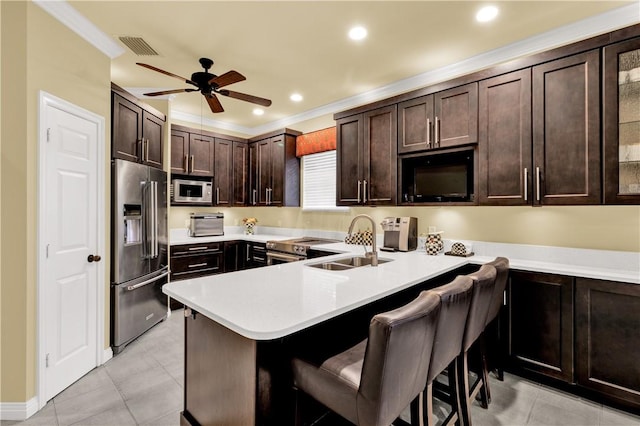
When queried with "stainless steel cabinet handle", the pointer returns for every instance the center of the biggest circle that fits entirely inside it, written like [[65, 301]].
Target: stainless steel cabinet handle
[[185, 164], [428, 133], [217, 195], [537, 183], [359, 185], [266, 196], [198, 248], [364, 191], [146, 150], [436, 135], [197, 265], [254, 195], [526, 184], [193, 159]]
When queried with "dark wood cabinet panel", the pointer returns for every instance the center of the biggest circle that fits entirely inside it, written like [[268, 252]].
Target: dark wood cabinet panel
[[274, 170], [415, 123], [127, 129], [195, 260], [608, 338], [456, 116], [566, 130], [504, 140], [380, 156], [621, 127], [367, 158], [201, 154], [137, 134], [223, 172], [350, 157], [179, 151], [240, 174], [541, 323], [234, 256]]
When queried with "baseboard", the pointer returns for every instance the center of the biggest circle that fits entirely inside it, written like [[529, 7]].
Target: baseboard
[[107, 354], [18, 410]]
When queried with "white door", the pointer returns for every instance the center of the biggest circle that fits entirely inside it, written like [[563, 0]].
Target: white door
[[70, 280]]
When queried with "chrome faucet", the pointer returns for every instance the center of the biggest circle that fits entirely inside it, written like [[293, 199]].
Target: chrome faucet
[[373, 254]]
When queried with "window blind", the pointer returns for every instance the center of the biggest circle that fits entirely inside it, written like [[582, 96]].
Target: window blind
[[319, 181]]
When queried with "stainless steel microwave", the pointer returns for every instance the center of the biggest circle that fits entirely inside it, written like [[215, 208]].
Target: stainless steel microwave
[[191, 191]]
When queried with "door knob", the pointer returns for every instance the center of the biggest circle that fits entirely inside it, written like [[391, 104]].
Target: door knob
[[93, 258]]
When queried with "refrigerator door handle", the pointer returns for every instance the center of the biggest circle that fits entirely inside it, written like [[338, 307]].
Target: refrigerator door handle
[[147, 282], [154, 223]]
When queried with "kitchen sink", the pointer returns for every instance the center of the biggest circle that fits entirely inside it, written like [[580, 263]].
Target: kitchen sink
[[346, 263]]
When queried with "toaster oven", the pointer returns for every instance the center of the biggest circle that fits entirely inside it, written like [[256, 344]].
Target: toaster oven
[[206, 224]]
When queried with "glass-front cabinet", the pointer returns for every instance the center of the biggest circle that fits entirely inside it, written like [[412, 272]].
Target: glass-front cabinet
[[622, 122]]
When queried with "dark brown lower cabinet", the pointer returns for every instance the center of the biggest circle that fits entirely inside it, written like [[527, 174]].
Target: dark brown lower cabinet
[[234, 259], [196, 260], [608, 339], [541, 323]]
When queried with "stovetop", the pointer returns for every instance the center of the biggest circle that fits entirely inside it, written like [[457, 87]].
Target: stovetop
[[298, 245]]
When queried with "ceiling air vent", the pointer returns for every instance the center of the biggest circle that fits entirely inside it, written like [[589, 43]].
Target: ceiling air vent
[[138, 46]]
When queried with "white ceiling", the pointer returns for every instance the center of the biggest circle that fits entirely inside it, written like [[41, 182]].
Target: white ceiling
[[302, 46]]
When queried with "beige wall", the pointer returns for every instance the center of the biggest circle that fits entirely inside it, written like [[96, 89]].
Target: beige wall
[[592, 227], [38, 53]]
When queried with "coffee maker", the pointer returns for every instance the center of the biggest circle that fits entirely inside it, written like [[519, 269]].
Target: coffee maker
[[400, 233]]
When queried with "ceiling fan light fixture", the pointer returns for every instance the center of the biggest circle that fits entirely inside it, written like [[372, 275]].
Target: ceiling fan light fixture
[[358, 33]]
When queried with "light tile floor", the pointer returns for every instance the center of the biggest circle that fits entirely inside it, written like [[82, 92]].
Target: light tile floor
[[143, 386]]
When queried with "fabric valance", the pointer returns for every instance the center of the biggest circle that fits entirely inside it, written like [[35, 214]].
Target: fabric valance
[[314, 142]]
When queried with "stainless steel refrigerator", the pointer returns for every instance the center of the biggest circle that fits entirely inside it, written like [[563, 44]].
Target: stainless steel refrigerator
[[139, 261]]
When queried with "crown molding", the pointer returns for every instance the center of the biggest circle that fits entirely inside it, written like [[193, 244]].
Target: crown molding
[[74, 20], [217, 124]]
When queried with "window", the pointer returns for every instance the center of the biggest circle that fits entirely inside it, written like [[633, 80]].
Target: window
[[319, 181]]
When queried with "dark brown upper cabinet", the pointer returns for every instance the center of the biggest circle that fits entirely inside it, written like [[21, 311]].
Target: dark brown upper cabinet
[[274, 175], [240, 174], [137, 132], [566, 130], [504, 140], [367, 158], [223, 172], [440, 120], [621, 115], [191, 153]]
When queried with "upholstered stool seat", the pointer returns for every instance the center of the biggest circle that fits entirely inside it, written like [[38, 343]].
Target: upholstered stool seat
[[374, 381]]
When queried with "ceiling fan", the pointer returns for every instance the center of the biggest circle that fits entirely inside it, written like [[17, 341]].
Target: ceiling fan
[[209, 85]]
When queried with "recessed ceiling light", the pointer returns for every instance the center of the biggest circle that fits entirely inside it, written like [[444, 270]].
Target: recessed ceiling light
[[357, 33], [296, 97], [258, 111], [486, 14]]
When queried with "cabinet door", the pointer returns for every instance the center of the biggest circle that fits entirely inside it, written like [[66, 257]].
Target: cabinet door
[[566, 130], [608, 338], [380, 156], [240, 174], [127, 129], [223, 156], [263, 174], [456, 116], [179, 151], [349, 135], [152, 136], [276, 190], [415, 124], [504, 143], [201, 149], [253, 174], [541, 323], [621, 114], [234, 256]]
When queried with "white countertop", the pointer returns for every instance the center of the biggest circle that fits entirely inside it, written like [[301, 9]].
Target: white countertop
[[275, 301]]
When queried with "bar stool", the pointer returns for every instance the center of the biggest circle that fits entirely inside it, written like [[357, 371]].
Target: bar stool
[[483, 285], [492, 327], [455, 299], [374, 381]]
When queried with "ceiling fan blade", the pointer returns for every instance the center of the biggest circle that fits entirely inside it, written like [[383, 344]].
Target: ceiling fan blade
[[226, 79], [214, 103], [244, 97], [151, 67], [169, 92]]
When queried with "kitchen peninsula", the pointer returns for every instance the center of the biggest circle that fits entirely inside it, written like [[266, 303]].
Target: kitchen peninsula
[[240, 327]]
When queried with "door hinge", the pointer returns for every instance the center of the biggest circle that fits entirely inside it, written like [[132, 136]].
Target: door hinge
[[46, 360], [48, 134]]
